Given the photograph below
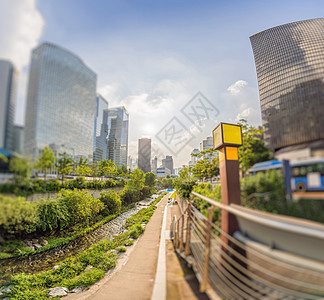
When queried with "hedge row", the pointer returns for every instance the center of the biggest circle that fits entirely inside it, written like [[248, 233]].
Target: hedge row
[[26, 187]]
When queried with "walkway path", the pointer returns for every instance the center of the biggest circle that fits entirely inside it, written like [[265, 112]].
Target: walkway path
[[134, 276]]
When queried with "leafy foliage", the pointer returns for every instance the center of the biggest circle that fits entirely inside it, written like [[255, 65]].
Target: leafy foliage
[[46, 160], [150, 179], [137, 179], [20, 167], [111, 201], [17, 215], [253, 150], [80, 206], [64, 165], [205, 168]]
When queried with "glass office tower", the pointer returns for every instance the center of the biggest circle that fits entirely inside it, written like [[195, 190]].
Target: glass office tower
[[100, 151], [144, 154], [289, 61], [60, 103], [8, 80], [118, 135]]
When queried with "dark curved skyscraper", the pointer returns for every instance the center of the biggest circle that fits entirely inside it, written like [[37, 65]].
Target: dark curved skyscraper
[[289, 61]]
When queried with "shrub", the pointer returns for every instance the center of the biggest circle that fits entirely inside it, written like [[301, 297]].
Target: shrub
[[80, 206], [184, 187], [111, 201], [17, 216], [136, 231], [51, 214], [130, 195], [270, 184]]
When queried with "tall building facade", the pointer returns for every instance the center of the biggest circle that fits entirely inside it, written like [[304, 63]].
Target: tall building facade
[[8, 83], [60, 103], [144, 154], [118, 135], [206, 144], [100, 143], [289, 62], [154, 165], [169, 163]]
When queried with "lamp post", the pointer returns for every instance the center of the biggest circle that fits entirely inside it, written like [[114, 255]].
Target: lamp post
[[227, 138]]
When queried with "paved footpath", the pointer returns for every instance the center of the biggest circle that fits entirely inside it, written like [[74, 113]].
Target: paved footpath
[[134, 277]]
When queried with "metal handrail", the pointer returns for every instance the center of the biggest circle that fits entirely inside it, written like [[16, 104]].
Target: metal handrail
[[275, 224], [220, 261]]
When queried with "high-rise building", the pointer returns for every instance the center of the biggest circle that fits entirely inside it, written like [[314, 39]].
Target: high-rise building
[[8, 80], [193, 157], [100, 143], [60, 103], [144, 154], [154, 165], [206, 144], [289, 62], [169, 163], [118, 135], [19, 139]]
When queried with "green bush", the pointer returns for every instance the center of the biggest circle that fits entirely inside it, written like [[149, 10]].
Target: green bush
[[206, 189], [17, 216], [80, 206], [184, 187], [111, 201], [51, 214], [130, 195], [136, 231], [264, 191]]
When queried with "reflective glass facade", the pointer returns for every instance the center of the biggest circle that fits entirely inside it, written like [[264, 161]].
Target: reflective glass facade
[[100, 151], [8, 83], [61, 103], [289, 61], [118, 135], [144, 154]]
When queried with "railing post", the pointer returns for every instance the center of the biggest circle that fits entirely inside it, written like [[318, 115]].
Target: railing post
[[204, 281], [181, 234], [187, 249], [178, 234]]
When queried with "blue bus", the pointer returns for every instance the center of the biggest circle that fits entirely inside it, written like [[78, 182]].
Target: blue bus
[[306, 175]]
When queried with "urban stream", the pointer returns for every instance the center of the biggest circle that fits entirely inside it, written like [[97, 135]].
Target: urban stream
[[48, 259]]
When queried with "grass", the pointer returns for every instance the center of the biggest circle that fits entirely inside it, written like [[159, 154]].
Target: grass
[[72, 271]]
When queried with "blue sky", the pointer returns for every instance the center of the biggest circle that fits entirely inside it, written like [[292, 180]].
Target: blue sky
[[153, 56]]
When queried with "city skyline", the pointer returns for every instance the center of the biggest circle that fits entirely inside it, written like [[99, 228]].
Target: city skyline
[[144, 65]]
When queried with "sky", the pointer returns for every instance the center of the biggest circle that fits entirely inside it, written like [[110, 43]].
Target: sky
[[153, 57]]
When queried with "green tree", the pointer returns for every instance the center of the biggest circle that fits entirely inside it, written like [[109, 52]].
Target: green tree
[[21, 167], [3, 158], [106, 168], [137, 179], [150, 179], [46, 160], [82, 168], [112, 203], [167, 182], [64, 165], [253, 150], [206, 169]]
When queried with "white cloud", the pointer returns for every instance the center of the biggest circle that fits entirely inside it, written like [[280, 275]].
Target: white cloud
[[21, 26], [251, 115], [237, 87]]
